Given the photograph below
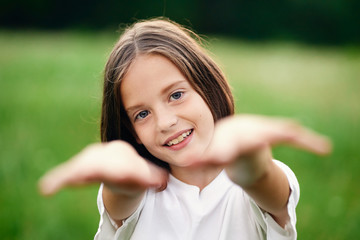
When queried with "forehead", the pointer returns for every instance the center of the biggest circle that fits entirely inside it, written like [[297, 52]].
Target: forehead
[[148, 75]]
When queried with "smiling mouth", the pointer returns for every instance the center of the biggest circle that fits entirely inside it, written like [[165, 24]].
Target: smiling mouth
[[179, 139]]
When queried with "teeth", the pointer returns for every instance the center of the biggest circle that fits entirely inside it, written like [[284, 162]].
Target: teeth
[[179, 139]]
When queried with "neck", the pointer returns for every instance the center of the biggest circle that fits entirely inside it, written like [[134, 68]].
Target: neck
[[197, 176]]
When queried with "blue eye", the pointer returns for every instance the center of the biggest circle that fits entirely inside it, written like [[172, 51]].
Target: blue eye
[[176, 95], [142, 114]]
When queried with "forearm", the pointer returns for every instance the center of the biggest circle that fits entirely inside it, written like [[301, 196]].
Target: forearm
[[119, 204], [271, 193], [264, 182]]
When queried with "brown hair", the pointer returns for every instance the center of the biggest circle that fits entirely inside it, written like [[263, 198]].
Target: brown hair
[[178, 44]]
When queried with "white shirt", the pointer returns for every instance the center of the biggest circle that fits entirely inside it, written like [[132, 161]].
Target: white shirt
[[221, 211]]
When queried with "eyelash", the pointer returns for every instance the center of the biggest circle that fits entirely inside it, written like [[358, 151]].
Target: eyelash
[[178, 92], [138, 115]]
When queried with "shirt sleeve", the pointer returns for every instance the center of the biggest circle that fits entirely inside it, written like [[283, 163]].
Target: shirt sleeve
[[108, 229], [271, 228]]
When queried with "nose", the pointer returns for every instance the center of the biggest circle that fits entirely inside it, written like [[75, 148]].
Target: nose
[[165, 119]]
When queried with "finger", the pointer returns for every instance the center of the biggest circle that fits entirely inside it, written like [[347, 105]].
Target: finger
[[229, 143], [195, 161], [285, 131], [155, 176], [310, 141], [58, 178]]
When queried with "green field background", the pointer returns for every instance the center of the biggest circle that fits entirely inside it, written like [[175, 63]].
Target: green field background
[[50, 94]]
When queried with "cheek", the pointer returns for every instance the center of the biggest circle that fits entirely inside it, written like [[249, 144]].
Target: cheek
[[205, 119], [142, 135], [205, 114], [147, 137], [199, 108]]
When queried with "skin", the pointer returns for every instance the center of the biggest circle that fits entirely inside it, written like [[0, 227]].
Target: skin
[[161, 105]]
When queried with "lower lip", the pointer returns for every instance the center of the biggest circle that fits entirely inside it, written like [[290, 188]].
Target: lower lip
[[183, 144]]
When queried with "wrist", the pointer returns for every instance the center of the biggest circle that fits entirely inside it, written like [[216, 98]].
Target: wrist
[[248, 169], [128, 191]]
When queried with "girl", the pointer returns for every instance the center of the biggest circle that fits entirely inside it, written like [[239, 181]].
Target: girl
[[175, 163]]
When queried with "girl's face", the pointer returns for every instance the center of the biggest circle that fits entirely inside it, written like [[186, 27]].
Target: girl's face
[[169, 117]]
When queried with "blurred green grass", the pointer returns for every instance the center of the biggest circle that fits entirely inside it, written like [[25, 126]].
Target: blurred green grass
[[50, 94]]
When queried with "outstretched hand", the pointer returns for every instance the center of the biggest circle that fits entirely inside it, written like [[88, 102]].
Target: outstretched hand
[[244, 134], [117, 164], [236, 137], [251, 135]]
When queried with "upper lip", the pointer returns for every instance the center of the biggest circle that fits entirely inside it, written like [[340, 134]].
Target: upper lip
[[176, 135]]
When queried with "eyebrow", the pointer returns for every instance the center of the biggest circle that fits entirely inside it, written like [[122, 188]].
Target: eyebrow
[[166, 89]]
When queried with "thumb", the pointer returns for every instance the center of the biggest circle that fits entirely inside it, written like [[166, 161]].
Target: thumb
[[158, 177]]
